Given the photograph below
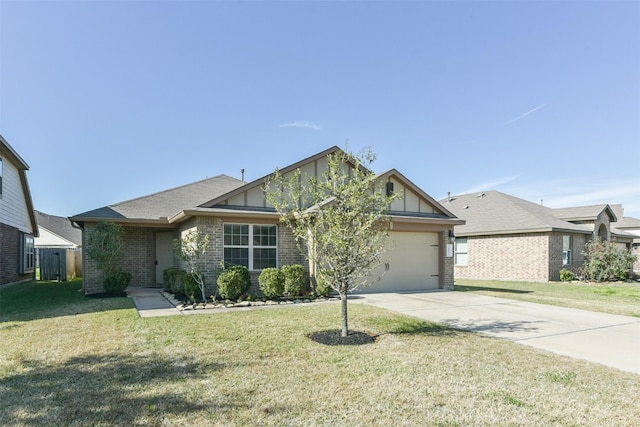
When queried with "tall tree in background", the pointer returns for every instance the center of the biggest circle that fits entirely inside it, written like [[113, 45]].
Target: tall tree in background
[[341, 216]]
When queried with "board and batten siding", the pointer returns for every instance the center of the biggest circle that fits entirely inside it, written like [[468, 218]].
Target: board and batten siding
[[13, 205]]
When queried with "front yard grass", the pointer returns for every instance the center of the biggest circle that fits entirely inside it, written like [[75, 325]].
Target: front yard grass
[[615, 298], [86, 361]]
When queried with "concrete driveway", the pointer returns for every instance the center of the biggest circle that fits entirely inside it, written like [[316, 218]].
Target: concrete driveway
[[607, 339]]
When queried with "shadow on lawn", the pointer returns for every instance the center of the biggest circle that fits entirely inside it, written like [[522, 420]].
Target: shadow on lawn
[[113, 389], [45, 300], [469, 288]]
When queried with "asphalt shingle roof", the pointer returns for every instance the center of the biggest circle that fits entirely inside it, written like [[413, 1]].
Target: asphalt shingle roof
[[60, 226], [493, 212], [168, 203]]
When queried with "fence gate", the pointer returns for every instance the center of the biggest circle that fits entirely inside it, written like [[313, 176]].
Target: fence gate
[[53, 264]]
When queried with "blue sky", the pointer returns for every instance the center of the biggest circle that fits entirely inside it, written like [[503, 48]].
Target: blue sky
[[112, 100]]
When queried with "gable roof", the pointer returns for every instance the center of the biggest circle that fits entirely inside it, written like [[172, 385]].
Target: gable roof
[[260, 181], [158, 207], [60, 226], [221, 201], [8, 152], [493, 212], [584, 213]]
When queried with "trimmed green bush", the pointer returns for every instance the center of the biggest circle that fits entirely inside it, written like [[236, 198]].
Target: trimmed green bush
[[117, 282], [191, 287], [271, 282], [174, 280], [296, 280], [323, 289], [234, 281], [567, 275]]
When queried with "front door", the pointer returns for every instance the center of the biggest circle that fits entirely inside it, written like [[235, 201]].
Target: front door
[[164, 253]]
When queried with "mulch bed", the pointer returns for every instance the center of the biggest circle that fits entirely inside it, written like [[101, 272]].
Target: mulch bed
[[334, 337]]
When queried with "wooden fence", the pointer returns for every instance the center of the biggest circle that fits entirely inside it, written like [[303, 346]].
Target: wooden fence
[[59, 264]]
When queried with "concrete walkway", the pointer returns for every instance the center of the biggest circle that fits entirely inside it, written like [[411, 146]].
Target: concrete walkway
[[607, 339], [151, 303]]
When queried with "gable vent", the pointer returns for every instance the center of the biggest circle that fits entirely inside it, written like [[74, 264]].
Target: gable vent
[[389, 188]]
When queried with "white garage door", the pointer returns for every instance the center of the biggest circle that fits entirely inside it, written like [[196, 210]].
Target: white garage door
[[412, 266]]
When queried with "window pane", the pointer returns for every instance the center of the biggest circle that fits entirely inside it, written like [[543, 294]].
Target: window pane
[[236, 235], [236, 256], [462, 259], [264, 258], [264, 235]]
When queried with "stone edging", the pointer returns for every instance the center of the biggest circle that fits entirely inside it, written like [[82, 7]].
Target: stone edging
[[217, 305]]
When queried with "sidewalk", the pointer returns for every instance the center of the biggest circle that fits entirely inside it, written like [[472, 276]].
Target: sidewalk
[[151, 303]]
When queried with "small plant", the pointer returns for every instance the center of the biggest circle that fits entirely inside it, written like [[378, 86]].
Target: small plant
[[117, 282], [271, 281], [296, 280], [233, 282], [567, 275]]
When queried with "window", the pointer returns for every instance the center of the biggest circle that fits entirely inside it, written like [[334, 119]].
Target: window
[[567, 249], [461, 251], [254, 246], [27, 254]]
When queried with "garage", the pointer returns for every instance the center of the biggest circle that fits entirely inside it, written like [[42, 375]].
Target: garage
[[412, 266]]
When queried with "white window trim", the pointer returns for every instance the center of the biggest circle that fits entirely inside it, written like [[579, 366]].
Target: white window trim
[[250, 246], [457, 252], [24, 268]]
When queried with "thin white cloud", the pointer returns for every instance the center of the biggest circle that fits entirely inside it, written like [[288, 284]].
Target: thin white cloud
[[522, 116], [490, 185], [301, 124]]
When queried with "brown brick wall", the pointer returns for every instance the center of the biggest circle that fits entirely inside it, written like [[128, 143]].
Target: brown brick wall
[[10, 256], [446, 263], [137, 259], [508, 257]]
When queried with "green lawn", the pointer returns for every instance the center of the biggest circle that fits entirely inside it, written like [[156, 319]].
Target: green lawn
[[70, 360], [615, 298]]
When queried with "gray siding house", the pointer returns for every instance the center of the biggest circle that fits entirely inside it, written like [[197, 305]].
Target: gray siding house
[[18, 226], [244, 229]]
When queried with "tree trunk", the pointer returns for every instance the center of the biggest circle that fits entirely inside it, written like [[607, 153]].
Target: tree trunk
[[345, 319]]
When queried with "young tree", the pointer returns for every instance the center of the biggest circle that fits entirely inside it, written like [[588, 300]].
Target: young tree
[[191, 249], [104, 246], [606, 261], [341, 216]]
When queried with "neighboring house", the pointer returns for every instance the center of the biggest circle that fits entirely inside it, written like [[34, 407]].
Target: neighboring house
[[18, 226], [244, 229], [58, 248], [508, 238], [632, 226]]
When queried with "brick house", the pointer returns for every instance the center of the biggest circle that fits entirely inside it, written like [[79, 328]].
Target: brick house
[[18, 226], [508, 238], [244, 229]]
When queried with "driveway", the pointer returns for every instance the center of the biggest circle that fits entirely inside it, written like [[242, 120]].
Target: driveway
[[607, 339]]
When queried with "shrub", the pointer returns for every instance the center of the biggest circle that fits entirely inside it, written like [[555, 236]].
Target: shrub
[[234, 281], [190, 286], [271, 282], [606, 261], [170, 277], [323, 289], [174, 280], [567, 275], [296, 280], [117, 282]]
